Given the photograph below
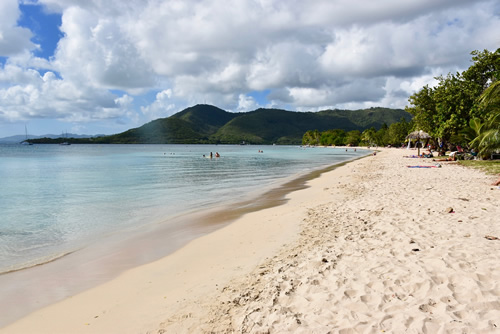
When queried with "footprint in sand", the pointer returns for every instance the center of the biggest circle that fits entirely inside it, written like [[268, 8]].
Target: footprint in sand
[[350, 293], [366, 298]]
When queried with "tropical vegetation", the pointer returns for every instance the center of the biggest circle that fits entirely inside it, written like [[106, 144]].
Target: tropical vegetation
[[394, 135], [462, 110]]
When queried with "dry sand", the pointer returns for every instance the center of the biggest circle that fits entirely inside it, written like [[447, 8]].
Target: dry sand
[[370, 247]]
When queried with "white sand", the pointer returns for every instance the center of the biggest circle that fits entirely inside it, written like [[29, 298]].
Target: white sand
[[370, 247]]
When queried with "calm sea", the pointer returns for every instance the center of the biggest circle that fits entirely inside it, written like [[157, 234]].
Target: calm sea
[[55, 199]]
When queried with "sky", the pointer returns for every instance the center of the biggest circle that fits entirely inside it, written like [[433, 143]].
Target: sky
[[105, 66]]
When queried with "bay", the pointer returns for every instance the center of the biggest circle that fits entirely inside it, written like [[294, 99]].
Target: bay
[[57, 199]]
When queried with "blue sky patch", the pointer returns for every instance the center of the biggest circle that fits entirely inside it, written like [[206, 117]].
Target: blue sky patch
[[44, 26], [260, 96]]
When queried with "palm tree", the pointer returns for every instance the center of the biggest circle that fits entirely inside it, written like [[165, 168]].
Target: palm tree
[[490, 99], [369, 136], [487, 138]]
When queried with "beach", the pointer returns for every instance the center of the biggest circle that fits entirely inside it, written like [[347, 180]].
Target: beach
[[371, 246]]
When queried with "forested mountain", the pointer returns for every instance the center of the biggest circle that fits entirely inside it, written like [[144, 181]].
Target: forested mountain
[[265, 126], [203, 124], [194, 125]]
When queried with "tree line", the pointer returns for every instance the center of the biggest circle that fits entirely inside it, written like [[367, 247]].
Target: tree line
[[393, 135], [463, 109]]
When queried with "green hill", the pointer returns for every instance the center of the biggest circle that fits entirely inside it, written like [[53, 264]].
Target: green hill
[[194, 125], [204, 124], [205, 119], [264, 126], [367, 118], [166, 130]]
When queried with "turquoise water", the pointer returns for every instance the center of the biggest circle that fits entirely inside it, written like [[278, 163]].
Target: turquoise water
[[54, 199]]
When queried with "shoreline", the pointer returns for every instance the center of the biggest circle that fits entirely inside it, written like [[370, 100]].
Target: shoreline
[[387, 255], [366, 246], [49, 281]]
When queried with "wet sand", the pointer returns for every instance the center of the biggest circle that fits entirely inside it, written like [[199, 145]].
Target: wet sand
[[370, 246]]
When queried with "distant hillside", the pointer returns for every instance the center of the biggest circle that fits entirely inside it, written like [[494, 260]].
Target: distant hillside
[[204, 124], [367, 118], [19, 138], [285, 127], [194, 125], [265, 126], [205, 119]]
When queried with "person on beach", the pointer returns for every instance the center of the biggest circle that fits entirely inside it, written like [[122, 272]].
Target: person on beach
[[211, 155], [423, 155], [453, 158], [497, 182], [217, 155]]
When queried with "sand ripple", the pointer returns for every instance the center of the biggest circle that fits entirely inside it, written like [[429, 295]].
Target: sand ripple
[[385, 257]]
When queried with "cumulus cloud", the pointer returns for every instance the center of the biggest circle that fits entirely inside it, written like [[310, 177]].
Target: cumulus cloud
[[308, 55], [161, 107], [13, 39], [103, 55], [247, 103], [47, 96]]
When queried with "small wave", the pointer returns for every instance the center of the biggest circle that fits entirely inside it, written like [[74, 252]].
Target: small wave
[[14, 233], [35, 263]]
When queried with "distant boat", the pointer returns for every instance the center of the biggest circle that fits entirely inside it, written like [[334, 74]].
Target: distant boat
[[25, 141], [65, 142]]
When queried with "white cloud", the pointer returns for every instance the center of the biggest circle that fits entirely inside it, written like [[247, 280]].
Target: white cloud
[[353, 91], [14, 74], [342, 13], [307, 54], [247, 103], [125, 101], [289, 64], [161, 107], [50, 97], [13, 39], [96, 52]]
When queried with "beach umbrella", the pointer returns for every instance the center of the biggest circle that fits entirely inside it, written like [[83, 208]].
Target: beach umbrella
[[418, 135]]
